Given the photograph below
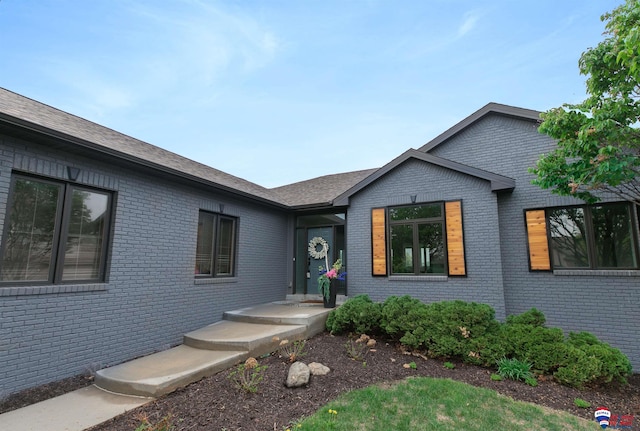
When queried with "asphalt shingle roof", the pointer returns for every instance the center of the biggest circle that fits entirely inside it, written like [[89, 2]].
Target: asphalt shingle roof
[[31, 114], [321, 190]]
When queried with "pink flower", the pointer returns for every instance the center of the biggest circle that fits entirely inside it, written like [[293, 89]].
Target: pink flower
[[332, 273]]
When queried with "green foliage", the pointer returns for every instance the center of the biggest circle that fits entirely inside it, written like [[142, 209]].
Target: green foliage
[[248, 375], [469, 331], [579, 368], [532, 317], [540, 346], [413, 365], [358, 314], [449, 365], [514, 369], [164, 424], [598, 143], [356, 349], [292, 351], [496, 377], [614, 365], [579, 402], [400, 314], [449, 328], [531, 381]]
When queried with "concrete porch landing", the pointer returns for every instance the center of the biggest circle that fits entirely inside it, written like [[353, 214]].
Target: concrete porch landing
[[246, 332]]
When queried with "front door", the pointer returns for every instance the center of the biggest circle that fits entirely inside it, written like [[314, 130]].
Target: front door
[[311, 242]]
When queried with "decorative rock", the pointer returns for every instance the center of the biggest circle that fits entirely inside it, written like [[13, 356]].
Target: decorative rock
[[298, 375], [318, 369]]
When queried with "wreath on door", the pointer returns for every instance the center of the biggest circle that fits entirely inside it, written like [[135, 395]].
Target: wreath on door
[[313, 247]]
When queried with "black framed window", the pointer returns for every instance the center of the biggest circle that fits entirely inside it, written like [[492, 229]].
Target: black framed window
[[417, 239], [215, 249], [55, 232], [602, 236]]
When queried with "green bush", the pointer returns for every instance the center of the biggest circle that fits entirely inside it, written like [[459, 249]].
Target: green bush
[[579, 368], [537, 345], [358, 314], [449, 328], [532, 317], [400, 314], [470, 331], [614, 363]]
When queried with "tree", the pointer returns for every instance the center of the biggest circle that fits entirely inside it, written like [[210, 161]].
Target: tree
[[598, 139]]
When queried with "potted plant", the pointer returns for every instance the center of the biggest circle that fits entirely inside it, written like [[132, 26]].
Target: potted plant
[[326, 286]]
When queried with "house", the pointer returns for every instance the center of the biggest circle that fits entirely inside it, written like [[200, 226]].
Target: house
[[113, 248]]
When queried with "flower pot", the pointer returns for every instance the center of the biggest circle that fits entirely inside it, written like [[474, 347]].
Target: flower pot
[[330, 302]]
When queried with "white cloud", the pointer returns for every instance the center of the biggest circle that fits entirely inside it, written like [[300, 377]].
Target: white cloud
[[468, 24]]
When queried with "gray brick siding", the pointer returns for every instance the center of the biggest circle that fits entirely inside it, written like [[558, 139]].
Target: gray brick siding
[[430, 183], [150, 299], [600, 302]]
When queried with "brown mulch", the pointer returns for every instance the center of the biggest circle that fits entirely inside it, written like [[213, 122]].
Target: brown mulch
[[214, 403]]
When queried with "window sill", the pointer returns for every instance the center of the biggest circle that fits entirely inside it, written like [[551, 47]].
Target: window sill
[[430, 278], [217, 280], [598, 272], [52, 289]]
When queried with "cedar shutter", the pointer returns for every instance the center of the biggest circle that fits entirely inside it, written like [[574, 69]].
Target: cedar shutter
[[378, 242], [455, 241], [537, 241]]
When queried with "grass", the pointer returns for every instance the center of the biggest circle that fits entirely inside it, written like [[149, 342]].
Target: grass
[[442, 404]]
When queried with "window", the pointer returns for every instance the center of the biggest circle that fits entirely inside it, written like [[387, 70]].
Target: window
[[422, 239], [55, 233], [417, 242], [215, 249], [602, 236]]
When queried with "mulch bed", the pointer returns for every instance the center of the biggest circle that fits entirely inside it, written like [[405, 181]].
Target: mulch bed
[[214, 403]]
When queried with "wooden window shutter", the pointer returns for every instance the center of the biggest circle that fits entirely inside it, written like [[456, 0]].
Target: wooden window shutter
[[455, 241], [538, 244], [378, 242]]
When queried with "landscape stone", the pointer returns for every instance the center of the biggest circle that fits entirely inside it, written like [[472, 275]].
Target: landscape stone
[[299, 374], [318, 369]]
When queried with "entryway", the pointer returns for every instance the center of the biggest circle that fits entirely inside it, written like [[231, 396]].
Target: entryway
[[318, 235]]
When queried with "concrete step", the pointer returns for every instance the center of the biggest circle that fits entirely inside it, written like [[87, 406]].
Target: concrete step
[[164, 372], [313, 316], [255, 338]]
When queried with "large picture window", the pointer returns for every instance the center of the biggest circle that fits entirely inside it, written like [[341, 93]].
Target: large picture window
[[55, 233], [603, 236], [593, 237], [417, 240], [215, 249]]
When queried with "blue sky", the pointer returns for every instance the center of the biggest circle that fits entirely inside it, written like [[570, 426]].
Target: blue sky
[[278, 91]]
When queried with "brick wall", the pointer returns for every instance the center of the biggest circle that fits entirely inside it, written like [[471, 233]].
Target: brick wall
[[150, 299], [430, 183], [602, 302]]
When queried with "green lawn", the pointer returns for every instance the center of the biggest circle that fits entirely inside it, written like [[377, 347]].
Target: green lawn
[[436, 404]]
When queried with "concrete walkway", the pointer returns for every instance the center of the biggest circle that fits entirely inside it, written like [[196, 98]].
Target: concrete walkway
[[206, 351]]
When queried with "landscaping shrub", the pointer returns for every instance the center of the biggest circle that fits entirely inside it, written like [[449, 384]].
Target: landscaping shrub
[[532, 317], [358, 314], [448, 328], [614, 364], [579, 368], [400, 314], [469, 331], [537, 345]]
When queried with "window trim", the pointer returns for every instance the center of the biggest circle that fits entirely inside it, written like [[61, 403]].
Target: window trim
[[215, 248], [453, 237], [590, 240], [415, 223], [61, 232]]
